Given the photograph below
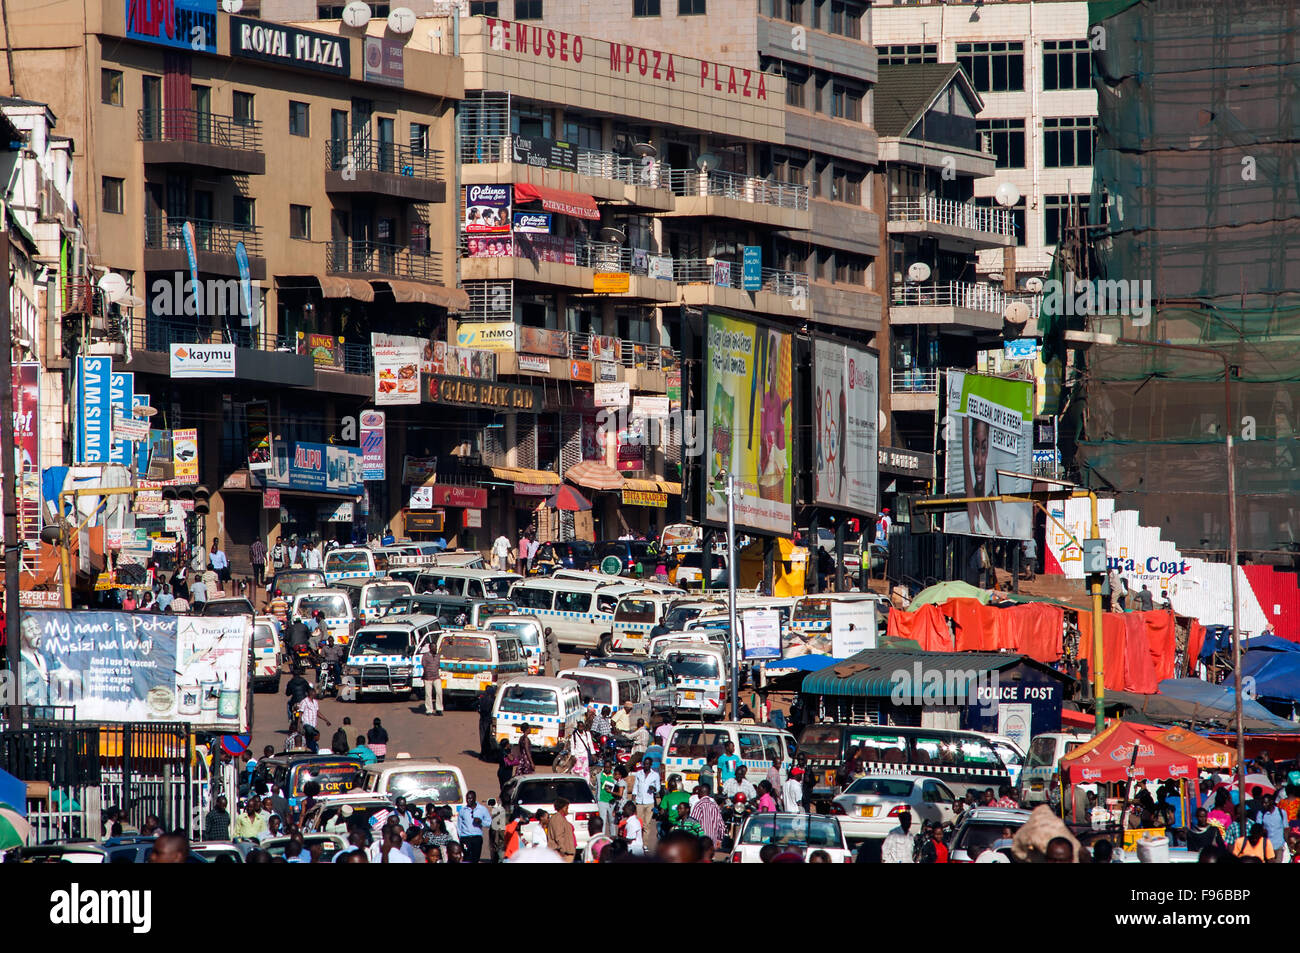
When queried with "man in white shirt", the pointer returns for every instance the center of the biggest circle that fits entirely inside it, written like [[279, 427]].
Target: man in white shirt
[[533, 546], [897, 848], [645, 792], [740, 784], [312, 557], [792, 791], [501, 552]]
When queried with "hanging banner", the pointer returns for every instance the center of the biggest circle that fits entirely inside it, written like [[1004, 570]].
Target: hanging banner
[[94, 418], [121, 390], [761, 633], [417, 471], [397, 373], [845, 427], [543, 341], [27, 422], [990, 426], [373, 445], [486, 335], [190, 361], [325, 350], [853, 627], [185, 453], [270, 499], [487, 210], [257, 418], [612, 395]]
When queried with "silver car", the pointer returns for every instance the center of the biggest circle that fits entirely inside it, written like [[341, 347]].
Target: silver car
[[870, 806]]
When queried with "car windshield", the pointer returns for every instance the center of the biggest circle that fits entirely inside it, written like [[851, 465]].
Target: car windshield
[[498, 586], [334, 777], [697, 742], [290, 583], [677, 617], [635, 610], [466, 648], [333, 605], [528, 700], [228, 607], [592, 689], [1009, 755], [688, 665], [263, 636], [793, 829], [974, 836], [547, 792], [439, 786], [488, 609], [821, 741], [392, 642], [885, 787], [378, 595], [526, 632], [354, 561]]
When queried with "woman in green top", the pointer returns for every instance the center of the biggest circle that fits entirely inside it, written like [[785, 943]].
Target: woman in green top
[[669, 802]]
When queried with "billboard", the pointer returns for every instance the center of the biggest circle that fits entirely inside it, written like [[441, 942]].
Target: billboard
[[844, 414], [189, 25], [989, 427], [126, 666], [190, 361], [748, 386], [94, 410], [487, 210], [373, 444], [397, 373]]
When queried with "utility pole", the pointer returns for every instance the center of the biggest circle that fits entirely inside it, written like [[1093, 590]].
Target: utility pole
[[8, 491], [729, 487]]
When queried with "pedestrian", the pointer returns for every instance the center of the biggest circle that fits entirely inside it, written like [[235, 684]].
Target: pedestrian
[[486, 741], [601, 726], [198, 592], [552, 652], [665, 728], [766, 798], [728, 763], [1274, 821], [309, 712], [1256, 845], [739, 783], [128, 601], [709, 817], [582, 747], [429, 661], [377, 739], [362, 751], [523, 753], [257, 559], [472, 820], [521, 554], [501, 552], [279, 555], [296, 690], [597, 840], [792, 792], [218, 562], [631, 830], [1144, 601], [252, 824], [898, 844], [645, 794], [775, 776], [640, 740], [559, 832], [216, 823], [605, 786]]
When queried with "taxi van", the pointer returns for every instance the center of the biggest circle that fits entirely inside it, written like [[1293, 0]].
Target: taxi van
[[700, 674], [612, 687], [385, 657], [456, 612], [635, 616], [551, 707], [340, 620], [372, 599], [1042, 761], [419, 781], [291, 773], [266, 654], [581, 613], [756, 745], [656, 676], [530, 632], [471, 583], [469, 660], [353, 562]]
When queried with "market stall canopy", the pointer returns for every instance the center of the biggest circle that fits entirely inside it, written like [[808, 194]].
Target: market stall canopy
[[570, 500], [594, 476], [573, 204], [872, 673], [13, 792], [1222, 699], [1209, 755], [1122, 752], [952, 589], [1274, 664]]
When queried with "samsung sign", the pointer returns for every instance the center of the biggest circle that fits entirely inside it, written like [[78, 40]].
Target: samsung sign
[[288, 46]]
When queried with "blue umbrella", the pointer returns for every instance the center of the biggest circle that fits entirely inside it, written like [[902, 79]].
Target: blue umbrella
[[13, 793]]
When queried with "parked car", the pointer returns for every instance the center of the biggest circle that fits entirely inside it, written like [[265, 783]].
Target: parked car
[[802, 833], [534, 792], [983, 827], [870, 806], [549, 557]]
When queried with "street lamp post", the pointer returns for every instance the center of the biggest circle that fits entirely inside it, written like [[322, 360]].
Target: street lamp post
[[728, 486]]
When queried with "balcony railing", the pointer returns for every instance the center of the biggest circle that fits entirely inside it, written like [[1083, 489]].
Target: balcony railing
[[159, 334], [81, 296], [379, 258], [952, 294], [742, 188], [917, 380], [728, 274], [369, 156], [219, 238], [993, 221], [630, 170], [192, 125]]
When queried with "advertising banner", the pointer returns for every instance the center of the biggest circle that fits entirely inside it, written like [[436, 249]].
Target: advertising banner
[[751, 268], [421, 498], [270, 499], [660, 267], [290, 46], [611, 282], [844, 414], [853, 627], [416, 471], [544, 153], [748, 385], [487, 210], [649, 406], [119, 666], [189, 361], [990, 427], [397, 374], [645, 498], [189, 25], [605, 348], [343, 469], [121, 389], [583, 371], [538, 365], [94, 418], [315, 466], [532, 223], [27, 423], [373, 444], [474, 497], [612, 395], [257, 417], [761, 633], [486, 335], [385, 61], [326, 350], [542, 341], [185, 453]]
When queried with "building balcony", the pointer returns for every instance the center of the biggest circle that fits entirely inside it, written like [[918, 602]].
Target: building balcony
[[953, 223], [564, 262], [740, 198], [608, 177], [845, 307], [915, 389], [378, 168], [216, 246], [710, 281], [189, 137], [957, 304], [383, 261]]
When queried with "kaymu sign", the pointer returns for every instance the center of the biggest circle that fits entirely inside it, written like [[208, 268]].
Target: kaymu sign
[[202, 360], [289, 46]]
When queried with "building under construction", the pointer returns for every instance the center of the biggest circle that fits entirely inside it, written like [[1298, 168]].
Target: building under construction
[[1192, 238]]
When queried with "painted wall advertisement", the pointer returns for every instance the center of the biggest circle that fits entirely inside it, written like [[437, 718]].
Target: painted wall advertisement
[[990, 427], [748, 383], [373, 444], [397, 373], [120, 666], [844, 427]]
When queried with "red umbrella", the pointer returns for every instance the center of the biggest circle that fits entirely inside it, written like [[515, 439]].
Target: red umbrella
[[568, 499]]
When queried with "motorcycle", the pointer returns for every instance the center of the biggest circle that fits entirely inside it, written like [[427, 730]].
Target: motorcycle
[[327, 680]]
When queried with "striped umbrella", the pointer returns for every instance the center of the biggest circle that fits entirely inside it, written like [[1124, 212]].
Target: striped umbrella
[[14, 829], [594, 476], [569, 499]]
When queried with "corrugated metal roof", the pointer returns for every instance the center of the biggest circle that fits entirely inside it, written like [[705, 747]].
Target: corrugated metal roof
[[874, 673]]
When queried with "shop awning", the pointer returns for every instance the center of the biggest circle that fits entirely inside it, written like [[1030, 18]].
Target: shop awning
[[645, 486], [596, 476], [523, 475], [573, 204], [418, 292], [1120, 753], [870, 673], [672, 489], [332, 286]]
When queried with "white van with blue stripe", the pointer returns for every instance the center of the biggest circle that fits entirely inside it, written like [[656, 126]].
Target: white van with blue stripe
[[353, 562], [385, 657], [756, 745], [612, 688], [551, 708], [700, 672], [581, 614]]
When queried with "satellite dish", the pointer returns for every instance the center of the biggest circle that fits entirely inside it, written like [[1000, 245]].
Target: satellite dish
[[401, 20], [611, 234], [232, 6], [997, 276], [1034, 285], [113, 285], [706, 162], [645, 149], [883, 421], [1017, 313], [356, 14], [918, 272], [1007, 195]]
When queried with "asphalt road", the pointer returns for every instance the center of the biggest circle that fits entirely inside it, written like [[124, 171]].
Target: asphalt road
[[452, 738]]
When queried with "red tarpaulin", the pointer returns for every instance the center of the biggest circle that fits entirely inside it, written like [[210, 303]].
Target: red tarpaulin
[[1139, 648], [1161, 638], [1113, 638], [573, 204], [1110, 757], [1033, 629], [926, 626], [1139, 672], [976, 624]]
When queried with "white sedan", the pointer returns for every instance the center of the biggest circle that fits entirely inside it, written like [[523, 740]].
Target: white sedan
[[799, 833], [869, 807], [534, 792]]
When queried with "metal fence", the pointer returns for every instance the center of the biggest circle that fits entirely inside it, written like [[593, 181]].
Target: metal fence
[[743, 188], [380, 258], [920, 380], [219, 238], [369, 156], [995, 221], [193, 125]]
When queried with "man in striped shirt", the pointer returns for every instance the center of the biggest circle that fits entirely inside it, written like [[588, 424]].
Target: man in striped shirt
[[707, 814]]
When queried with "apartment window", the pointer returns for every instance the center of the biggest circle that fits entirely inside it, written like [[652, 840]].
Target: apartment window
[[299, 119], [300, 222], [113, 190], [528, 9], [1017, 215], [483, 9], [690, 8], [787, 169], [1061, 212], [244, 212], [846, 187], [994, 67], [823, 265], [645, 8], [1006, 137], [241, 108], [846, 20], [110, 87], [900, 54], [845, 103], [419, 138], [792, 10], [1067, 142], [850, 269], [1067, 64], [795, 83]]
